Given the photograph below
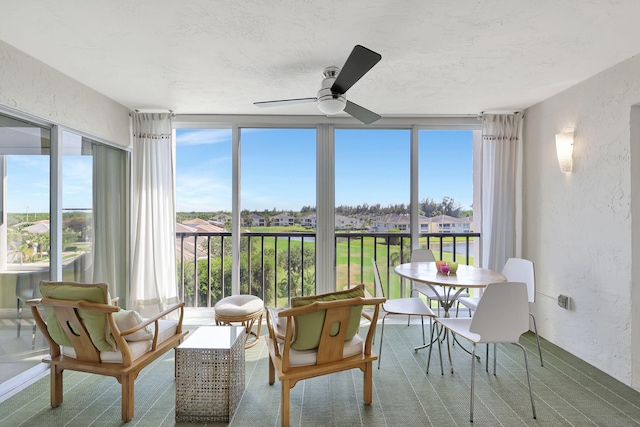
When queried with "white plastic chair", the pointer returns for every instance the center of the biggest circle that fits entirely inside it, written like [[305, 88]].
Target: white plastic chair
[[412, 306], [500, 317], [515, 270], [435, 293]]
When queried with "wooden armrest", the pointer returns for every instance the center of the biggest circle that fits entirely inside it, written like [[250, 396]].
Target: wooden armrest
[[155, 319], [159, 316], [272, 323]]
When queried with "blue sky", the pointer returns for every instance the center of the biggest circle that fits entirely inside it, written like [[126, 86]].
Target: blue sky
[[28, 183], [278, 170]]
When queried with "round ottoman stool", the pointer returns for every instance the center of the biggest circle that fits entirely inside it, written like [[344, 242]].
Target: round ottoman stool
[[244, 309]]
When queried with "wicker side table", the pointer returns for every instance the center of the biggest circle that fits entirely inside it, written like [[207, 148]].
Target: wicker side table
[[210, 374]]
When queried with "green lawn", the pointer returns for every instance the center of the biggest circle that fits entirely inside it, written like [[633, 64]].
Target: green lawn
[[353, 259]]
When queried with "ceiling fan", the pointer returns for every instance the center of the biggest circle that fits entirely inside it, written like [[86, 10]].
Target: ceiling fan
[[331, 97]]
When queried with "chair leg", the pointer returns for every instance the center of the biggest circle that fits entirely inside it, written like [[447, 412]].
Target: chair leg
[[449, 350], [56, 386], [429, 357], [127, 397], [423, 339], [368, 384], [439, 347], [486, 359], [535, 330], [284, 401], [526, 365], [272, 372], [473, 379], [381, 337], [434, 326], [19, 316]]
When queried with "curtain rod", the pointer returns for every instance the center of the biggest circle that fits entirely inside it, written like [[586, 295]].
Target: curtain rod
[[151, 110], [481, 114]]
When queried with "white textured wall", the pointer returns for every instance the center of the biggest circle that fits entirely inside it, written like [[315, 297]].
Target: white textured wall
[[578, 227], [32, 87]]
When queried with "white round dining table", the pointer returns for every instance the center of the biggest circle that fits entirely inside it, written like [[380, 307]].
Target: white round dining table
[[465, 277]]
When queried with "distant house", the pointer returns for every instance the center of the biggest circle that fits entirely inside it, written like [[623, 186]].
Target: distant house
[[254, 220], [309, 221], [186, 245], [221, 218], [203, 226], [437, 224], [341, 222], [193, 222], [398, 222], [282, 220], [347, 223], [38, 227], [449, 224]]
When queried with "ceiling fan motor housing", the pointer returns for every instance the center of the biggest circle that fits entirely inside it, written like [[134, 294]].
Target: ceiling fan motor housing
[[329, 102]]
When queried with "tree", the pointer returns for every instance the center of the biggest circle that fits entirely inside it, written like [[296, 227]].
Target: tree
[[450, 207]]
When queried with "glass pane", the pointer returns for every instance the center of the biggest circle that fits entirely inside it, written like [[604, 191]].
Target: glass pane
[[278, 198], [446, 192], [203, 206], [372, 204], [24, 256], [77, 215]]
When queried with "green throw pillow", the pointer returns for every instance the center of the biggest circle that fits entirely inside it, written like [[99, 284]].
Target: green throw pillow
[[308, 327], [96, 323]]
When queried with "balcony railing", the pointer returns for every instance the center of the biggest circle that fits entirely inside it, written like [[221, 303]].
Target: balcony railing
[[279, 266]]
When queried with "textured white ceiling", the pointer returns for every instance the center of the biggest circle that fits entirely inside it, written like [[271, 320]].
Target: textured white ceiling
[[218, 57]]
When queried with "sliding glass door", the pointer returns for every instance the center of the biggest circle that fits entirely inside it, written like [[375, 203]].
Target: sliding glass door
[[24, 239], [93, 208]]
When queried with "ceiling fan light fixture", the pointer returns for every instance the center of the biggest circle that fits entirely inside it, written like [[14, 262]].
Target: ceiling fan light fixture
[[332, 105]]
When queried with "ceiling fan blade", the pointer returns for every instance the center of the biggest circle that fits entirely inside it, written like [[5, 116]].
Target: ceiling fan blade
[[284, 102], [359, 62], [365, 116]]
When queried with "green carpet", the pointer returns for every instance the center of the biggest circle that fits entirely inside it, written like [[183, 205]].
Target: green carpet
[[568, 392]]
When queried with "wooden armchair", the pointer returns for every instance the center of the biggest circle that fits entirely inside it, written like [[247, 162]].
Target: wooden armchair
[[89, 334], [334, 352]]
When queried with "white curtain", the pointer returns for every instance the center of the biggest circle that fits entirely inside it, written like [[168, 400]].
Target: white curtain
[[501, 188], [153, 282], [109, 218]]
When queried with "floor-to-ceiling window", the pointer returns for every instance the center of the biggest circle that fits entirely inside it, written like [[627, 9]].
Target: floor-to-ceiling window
[[445, 188], [372, 196], [278, 201], [203, 214]]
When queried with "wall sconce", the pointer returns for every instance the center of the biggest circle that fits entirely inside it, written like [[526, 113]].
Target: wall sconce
[[564, 149]]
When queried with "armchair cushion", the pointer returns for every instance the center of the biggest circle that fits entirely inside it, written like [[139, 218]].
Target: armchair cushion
[[166, 329], [308, 327], [309, 357], [127, 319], [96, 323]]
